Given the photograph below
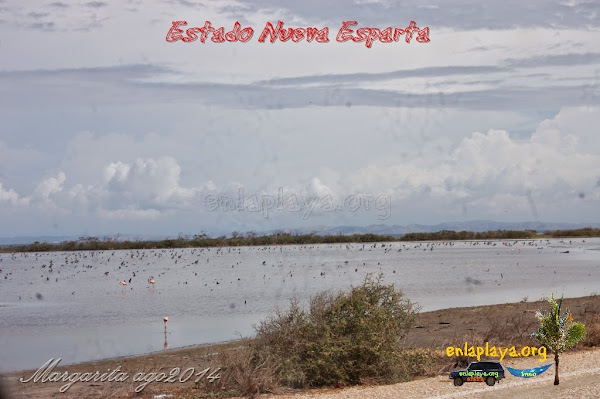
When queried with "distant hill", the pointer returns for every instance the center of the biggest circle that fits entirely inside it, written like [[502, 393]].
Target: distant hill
[[6, 241], [399, 230]]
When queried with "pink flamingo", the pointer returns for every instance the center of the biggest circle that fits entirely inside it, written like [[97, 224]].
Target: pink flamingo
[[166, 345], [152, 281], [123, 283]]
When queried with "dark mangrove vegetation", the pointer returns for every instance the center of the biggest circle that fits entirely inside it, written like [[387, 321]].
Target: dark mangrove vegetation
[[253, 239]]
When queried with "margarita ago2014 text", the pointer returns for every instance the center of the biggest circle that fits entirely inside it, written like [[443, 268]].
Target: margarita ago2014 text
[[46, 374]]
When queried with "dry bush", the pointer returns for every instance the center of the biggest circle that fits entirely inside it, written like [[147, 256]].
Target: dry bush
[[511, 330], [252, 372], [462, 361], [591, 315], [592, 307], [523, 324], [242, 372], [592, 327], [349, 338], [342, 339], [498, 330], [422, 363]]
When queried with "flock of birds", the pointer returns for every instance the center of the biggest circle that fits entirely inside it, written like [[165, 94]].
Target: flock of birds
[[63, 265], [131, 280], [147, 268]]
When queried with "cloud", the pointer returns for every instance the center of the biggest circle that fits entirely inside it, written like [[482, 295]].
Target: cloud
[[147, 181], [44, 26], [12, 197], [330, 79], [546, 60], [457, 15], [318, 189], [37, 15], [186, 3], [56, 17], [573, 128], [127, 85], [493, 171], [59, 4], [50, 186], [116, 171], [144, 189], [482, 80], [130, 214], [96, 4], [486, 173]]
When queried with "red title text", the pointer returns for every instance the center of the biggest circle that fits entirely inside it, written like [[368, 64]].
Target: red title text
[[348, 32]]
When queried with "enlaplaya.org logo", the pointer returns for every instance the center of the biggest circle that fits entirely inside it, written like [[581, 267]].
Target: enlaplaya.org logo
[[528, 373], [493, 351]]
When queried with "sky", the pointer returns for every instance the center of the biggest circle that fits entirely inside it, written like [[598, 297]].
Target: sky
[[107, 128]]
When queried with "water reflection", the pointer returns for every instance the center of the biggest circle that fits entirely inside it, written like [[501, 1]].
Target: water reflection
[[216, 294]]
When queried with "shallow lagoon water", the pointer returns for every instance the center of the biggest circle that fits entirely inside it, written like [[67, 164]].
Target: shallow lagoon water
[[77, 313]]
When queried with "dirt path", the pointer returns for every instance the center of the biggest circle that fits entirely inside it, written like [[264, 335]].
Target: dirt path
[[579, 376]]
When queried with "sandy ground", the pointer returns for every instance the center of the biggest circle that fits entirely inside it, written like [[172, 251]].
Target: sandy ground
[[579, 370], [579, 374]]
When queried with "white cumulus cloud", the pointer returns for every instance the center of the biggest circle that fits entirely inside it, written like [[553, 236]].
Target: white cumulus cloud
[[11, 196], [496, 171], [51, 185]]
